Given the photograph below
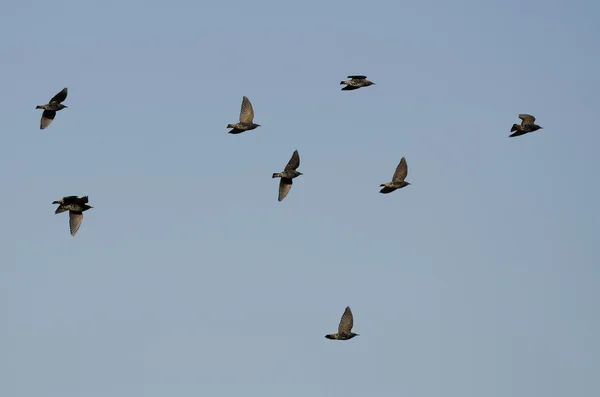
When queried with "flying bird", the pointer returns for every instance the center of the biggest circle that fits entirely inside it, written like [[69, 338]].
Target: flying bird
[[51, 108], [356, 83], [398, 178], [289, 173], [246, 119], [345, 327], [527, 125], [75, 205]]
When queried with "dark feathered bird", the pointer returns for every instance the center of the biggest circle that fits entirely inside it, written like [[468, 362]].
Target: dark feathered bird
[[345, 327], [289, 173], [51, 108], [398, 178], [75, 205], [246, 118], [356, 83], [527, 125]]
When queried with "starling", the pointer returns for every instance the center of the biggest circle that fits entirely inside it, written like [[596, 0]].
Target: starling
[[246, 117], [527, 125], [345, 327], [398, 178], [75, 206], [356, 83], [289, 173], [51, 108]]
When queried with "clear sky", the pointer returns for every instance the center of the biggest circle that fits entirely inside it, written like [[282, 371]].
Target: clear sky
[[189, 278]]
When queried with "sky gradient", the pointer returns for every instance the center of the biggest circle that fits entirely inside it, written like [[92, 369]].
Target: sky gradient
[[189, 278]]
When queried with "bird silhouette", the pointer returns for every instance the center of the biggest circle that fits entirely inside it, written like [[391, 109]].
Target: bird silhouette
[[527, 125], [289, 173], [246, 118], [345, 327], [398, 178], [51, 108], [75, 205], [356, 82]]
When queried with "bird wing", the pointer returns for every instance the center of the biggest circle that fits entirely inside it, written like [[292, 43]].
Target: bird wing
[[82, 200], [68, 199], [350, 88], [527, 119], [75, 219], [247, 112], [285, 184], [47, 117], [347, 322], [401, 171], [294, 162], [60, 209], [357, 77], [61, 96]]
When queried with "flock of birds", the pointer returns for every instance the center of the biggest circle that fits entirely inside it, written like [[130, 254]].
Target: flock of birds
[[77, 205]]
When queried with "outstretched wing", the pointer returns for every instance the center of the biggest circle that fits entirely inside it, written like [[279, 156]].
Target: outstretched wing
[[357, 77], [47, 117], [75, 219], [285, 184], [61, 96], [247, 112], [347, 322], [527, 119], [294, 162], [401, 171]]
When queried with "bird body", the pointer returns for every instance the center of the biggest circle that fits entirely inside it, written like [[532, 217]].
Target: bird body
[[356, 82], [289, 173], [527, 125], [398, 181], [246, 118], [76, 206], [52, 107], [345, 327]]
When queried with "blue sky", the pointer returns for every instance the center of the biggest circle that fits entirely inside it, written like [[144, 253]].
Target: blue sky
[[189, 278]]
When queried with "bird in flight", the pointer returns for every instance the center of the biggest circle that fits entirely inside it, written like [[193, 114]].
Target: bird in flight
[[289, 173], [52, 107], [246, 118], [356, 82], [398, 178], [345, 327], [527, 125], [75, 205]]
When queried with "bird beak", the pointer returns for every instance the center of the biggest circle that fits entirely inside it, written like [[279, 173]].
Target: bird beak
[[66, 106], [55, 202]]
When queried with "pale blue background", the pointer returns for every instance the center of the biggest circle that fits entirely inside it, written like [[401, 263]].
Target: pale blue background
[[188, 278]]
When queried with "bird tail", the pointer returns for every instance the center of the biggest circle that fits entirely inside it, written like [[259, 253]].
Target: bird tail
[[276, 175], [514, 128]]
